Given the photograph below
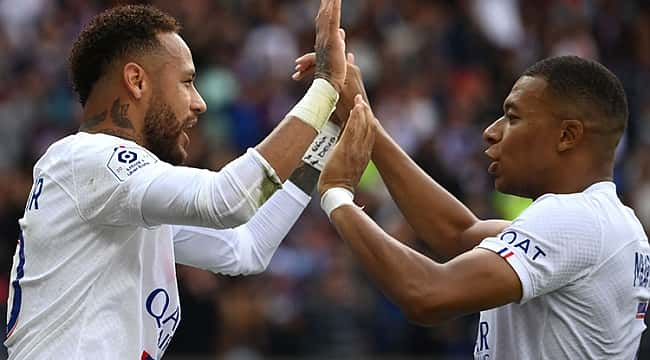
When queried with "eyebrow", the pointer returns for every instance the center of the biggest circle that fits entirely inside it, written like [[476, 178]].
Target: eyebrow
[[509, 104], [191, 73]]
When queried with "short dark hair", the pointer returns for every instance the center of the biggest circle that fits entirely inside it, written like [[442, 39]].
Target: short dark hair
[[113, 34], [585, 82]]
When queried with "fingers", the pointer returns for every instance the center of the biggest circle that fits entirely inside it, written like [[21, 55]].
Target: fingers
[[299, 75], [305, 66], [329, 16], [350, 58], [369, 117], [353, 127], [308, 58], [336, 15]]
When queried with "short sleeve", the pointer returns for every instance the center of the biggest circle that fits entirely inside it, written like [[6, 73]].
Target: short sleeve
[[556, 241], [110, 178]]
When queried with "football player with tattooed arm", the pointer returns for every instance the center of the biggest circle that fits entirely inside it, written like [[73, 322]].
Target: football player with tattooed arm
[[111, 210], [568, 278]]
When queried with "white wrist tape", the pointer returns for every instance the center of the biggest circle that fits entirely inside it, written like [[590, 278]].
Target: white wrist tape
[[317, 105], [335, 198], [320, 149]]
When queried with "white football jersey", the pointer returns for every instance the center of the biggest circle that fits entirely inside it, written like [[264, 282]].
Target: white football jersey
[[584, 264], [92, 278]]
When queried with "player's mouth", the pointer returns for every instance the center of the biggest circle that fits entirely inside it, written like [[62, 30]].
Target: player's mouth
[[188, 125], [493, 168]]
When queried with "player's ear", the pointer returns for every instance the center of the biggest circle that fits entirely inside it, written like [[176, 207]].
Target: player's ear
[[135, 80], [571, 132]]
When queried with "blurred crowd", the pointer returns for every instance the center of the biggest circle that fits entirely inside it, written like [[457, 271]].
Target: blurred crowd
[[436, 74]]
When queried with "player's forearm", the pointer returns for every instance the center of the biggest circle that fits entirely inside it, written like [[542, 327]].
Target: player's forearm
[[305, 178], [286, 144], [405, 276], [246, 249], [436, 216]]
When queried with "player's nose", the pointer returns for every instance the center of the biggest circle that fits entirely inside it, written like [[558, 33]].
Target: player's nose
[[198, 105], [492, 134]]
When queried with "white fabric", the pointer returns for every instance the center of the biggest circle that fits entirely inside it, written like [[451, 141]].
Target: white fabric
[[318, 104], [248, 248], [92, 278], [189, 196], [334, 198], [584, 262], [320, 149]]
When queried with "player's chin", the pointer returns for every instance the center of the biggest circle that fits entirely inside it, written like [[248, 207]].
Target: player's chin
[[501, 184]]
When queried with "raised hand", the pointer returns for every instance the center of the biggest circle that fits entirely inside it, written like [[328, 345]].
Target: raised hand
[[329, 48], [353, 85], [352, 153]]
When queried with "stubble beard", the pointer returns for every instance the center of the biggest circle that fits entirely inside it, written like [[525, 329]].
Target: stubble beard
[[162, 131]]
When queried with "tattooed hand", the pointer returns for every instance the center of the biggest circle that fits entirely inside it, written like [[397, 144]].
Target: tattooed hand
[[330, 44], [353, 85]]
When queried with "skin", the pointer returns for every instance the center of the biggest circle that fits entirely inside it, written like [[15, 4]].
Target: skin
[[535, 150], [152, 99]]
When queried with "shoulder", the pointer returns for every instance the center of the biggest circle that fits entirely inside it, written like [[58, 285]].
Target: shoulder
[[570, 217], [109, 157]]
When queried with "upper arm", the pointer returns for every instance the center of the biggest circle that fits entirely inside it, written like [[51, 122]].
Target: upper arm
[[476, 280], [480, 230], [553, 243], [110, 181]]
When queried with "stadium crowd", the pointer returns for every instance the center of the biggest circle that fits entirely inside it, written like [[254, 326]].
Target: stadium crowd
[[436, 73]]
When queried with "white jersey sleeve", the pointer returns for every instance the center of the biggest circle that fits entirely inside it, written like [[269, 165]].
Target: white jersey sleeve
[[120, 183], [551, 244], [246, 249]]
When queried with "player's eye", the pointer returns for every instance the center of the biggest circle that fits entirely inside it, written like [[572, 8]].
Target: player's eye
[[511, 118]]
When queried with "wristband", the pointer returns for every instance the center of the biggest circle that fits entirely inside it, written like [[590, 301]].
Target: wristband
[[318, 104], [334, 198], [320, 149]]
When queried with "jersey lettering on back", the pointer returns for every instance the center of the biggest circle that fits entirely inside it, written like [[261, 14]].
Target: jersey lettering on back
[[37, 190]]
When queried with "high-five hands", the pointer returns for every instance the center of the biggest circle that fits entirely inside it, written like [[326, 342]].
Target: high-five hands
[[353, 85], [329, 56], [352, 152]]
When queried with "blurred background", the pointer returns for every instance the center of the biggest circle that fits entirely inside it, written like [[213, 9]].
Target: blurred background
[[436, 74]]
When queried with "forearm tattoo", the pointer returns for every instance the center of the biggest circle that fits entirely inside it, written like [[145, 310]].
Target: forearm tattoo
[[323, 68]]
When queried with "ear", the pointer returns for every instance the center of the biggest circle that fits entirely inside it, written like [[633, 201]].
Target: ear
[[571, 132], [135, 80]]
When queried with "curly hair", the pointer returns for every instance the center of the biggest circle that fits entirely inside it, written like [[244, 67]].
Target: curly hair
[[114, 34]]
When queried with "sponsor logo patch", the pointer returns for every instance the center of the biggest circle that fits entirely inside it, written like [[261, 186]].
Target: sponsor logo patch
[[125, 161]]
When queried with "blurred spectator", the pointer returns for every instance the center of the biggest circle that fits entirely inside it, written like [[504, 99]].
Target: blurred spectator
[[436, 71]]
